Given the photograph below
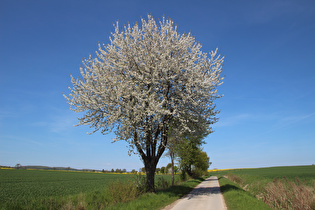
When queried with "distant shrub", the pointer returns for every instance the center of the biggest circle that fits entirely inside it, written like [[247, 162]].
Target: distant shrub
[[197, 173]]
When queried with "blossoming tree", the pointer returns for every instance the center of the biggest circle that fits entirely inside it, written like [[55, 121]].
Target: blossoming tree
[[148, 78]]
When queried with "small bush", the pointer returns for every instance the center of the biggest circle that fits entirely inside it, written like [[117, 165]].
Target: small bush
[[183, 176], [123, 191], [140, 182], [162, 183]]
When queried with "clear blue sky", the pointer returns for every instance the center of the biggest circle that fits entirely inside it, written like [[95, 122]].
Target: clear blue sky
[[267, 113]]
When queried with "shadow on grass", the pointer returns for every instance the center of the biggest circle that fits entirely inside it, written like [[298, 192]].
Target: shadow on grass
[[176, 191], [228, 187], [239, 199], [200, 179]]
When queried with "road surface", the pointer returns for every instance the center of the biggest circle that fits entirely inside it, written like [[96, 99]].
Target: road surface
[[206, 195]]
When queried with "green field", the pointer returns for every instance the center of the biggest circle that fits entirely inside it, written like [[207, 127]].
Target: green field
[[290, 172], [291, 187], [26, 184], [242, 189], [40, 188]]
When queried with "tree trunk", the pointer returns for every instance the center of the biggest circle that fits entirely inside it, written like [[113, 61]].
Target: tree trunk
[[150, 167], [189, 172], [172, 159], [151, 157]]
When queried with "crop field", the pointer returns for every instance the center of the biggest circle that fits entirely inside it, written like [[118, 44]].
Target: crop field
[[28, 187], [24, 184], [291, 187]]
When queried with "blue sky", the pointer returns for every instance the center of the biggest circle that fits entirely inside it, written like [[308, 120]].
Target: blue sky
[[267, 113]]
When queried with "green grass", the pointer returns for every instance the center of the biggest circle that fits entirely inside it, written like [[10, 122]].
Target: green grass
[[161, 198], [272, 185], [257, 178], [290, 172], [25, 184], [237, 198], [40, 189]]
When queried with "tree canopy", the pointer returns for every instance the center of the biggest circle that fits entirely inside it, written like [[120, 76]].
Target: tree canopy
[[191, 158], [145, 79]]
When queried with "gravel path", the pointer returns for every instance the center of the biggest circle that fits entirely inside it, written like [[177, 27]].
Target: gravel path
[[206, 195]]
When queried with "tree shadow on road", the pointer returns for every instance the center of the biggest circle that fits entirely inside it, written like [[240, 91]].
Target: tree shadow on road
[[190, 192], [208, 191], [204, 191], [180, 190], [177, 191]]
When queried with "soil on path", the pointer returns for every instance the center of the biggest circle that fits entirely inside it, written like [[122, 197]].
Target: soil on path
[[206, 195]]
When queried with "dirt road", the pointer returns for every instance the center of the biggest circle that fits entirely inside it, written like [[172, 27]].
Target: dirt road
[[206, 195]]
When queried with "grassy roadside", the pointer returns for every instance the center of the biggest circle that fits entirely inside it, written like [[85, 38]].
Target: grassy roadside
[[289, 187], [161, 198], [38, 189], [238, 199]]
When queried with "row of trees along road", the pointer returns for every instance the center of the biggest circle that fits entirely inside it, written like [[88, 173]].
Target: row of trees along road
[[186, 148], [149, 80]]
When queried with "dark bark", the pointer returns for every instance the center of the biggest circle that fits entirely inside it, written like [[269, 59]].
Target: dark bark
[[150, 154], [172, 160], [150, 167], [187, 169]]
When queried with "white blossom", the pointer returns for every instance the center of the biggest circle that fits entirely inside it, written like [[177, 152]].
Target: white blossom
[[146, 78]]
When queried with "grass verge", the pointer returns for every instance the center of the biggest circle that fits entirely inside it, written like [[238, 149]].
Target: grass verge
[[289, 187], [237, 198], [284, 194], [113, 192], [161, 198]]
